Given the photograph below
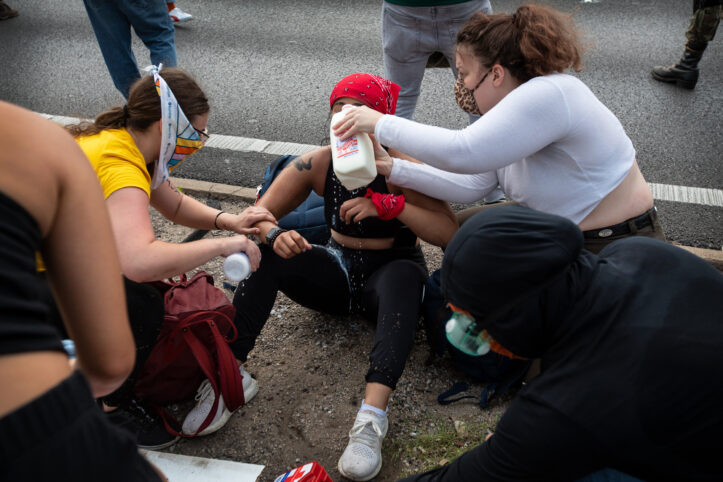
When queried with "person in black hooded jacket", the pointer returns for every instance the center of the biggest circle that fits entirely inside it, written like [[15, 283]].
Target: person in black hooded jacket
[[631, 344]]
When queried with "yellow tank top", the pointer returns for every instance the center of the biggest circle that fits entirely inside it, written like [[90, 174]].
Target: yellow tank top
[[117, 162]]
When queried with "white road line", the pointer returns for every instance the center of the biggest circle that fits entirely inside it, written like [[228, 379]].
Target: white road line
[[662, 192]]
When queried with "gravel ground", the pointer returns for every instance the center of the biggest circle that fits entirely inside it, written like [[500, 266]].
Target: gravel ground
[[310, 368]]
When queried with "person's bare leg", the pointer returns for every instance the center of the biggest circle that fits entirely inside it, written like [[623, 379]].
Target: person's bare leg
[[377, 395]]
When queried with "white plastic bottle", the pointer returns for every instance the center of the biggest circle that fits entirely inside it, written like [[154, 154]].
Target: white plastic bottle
[[237, 267], [353, 158]]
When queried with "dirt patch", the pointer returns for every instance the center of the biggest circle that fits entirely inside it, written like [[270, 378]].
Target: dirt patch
[[310, 368]]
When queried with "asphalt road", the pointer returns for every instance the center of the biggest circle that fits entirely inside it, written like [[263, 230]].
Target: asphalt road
[[268, 67]]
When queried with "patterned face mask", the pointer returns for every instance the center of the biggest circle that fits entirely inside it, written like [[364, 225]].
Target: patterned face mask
[[465, 97], [179, 139]]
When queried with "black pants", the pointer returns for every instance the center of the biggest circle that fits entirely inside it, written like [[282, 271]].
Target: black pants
[[384, 286], [63, 435], [145, 313]]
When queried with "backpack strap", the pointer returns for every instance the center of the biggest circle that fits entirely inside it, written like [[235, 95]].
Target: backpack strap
[[231, 382], [205, 361], [458, 387], [222, 373], [496, 389], [490, 391]]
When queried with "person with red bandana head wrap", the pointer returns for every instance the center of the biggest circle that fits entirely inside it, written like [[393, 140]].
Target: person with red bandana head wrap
[[372, 265]]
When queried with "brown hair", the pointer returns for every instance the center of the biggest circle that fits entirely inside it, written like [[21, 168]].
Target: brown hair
[[535, 40], [144, 105]]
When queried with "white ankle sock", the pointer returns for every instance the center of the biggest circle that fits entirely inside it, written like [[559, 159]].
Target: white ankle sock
[[371, 408]]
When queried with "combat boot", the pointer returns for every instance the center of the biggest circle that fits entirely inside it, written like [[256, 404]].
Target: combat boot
[[685, 72]]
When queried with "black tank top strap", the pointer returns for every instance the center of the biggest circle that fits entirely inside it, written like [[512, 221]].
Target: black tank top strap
[[335, 194], [23, 316]]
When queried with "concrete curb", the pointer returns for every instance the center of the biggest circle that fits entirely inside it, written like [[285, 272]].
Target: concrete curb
[[218, 190], [248, 194]]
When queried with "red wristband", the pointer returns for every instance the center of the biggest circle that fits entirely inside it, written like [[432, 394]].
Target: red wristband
[[388, 206]]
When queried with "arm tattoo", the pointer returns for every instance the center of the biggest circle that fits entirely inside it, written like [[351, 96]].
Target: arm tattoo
[[300, 165]]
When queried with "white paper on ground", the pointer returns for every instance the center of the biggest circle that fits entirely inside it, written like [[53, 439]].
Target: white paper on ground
[[183, 468]]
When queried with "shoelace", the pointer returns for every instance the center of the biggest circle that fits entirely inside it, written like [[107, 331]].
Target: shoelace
[[204, 390], [369, 433]]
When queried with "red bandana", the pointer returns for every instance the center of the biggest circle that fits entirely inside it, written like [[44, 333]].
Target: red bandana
[[375, 92], [388, 206]]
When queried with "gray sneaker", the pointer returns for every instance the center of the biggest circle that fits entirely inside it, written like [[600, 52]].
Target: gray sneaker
[[362, 458]]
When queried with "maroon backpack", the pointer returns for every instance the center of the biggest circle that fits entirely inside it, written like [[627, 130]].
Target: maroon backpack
[[193, 345]]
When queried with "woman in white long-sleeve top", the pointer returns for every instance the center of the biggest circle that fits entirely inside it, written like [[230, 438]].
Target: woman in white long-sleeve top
[[544, 136]]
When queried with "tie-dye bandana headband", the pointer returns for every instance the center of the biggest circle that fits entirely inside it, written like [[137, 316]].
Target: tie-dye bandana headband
[[179, 138]]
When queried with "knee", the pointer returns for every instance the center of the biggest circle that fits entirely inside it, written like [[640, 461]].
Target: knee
[[404, 273]]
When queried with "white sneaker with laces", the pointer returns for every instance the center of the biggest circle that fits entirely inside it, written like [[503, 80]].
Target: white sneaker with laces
[[179, 16], [362, 458], [205, 398]]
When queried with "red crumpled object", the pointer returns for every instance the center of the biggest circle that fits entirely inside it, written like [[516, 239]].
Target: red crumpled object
[[311, 472], [389, 206]]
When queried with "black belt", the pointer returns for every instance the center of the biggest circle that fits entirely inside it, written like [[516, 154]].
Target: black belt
[[706, 3], [645, 219]]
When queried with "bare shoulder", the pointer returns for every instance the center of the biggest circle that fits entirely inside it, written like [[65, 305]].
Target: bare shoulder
[[310, 168], [314, 160], [39, 156]]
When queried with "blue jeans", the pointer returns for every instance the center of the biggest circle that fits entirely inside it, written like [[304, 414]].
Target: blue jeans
[[411, 34], [608, 475], [112, 21]]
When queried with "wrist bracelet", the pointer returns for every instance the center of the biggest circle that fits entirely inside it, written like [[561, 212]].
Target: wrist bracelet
[[215, 220], [272, 234]]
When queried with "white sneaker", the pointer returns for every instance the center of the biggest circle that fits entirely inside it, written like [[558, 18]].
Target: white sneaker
[[362, 458], [497, 195], [205, 398], [179, 16]]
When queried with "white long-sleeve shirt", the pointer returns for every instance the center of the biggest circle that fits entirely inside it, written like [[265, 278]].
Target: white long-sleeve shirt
[[550, 143]]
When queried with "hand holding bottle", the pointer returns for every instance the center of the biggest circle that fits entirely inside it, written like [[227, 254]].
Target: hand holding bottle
[[237, 267], [382, 158], [355, 121], [242, 244]]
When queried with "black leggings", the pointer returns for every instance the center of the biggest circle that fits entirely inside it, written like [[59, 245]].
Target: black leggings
[[145, 313], [63, 435], [384, 286]]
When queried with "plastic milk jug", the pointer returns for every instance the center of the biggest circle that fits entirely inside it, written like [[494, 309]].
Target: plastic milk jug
[[352, 158], [237, 267]]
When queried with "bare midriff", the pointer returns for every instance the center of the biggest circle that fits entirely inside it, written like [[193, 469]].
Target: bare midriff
[[362, 243], [630, 199], [26, 376]]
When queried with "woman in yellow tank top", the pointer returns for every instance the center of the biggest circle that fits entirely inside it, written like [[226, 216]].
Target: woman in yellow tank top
[[132, 149]]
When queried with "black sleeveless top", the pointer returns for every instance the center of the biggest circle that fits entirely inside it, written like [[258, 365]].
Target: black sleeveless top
[[335, 194], [23, 324]]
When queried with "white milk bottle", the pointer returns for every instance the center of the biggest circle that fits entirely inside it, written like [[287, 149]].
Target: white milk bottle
[[353, 158], [237, 267]]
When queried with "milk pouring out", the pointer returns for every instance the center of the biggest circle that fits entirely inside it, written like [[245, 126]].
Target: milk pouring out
[[352, 158]]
